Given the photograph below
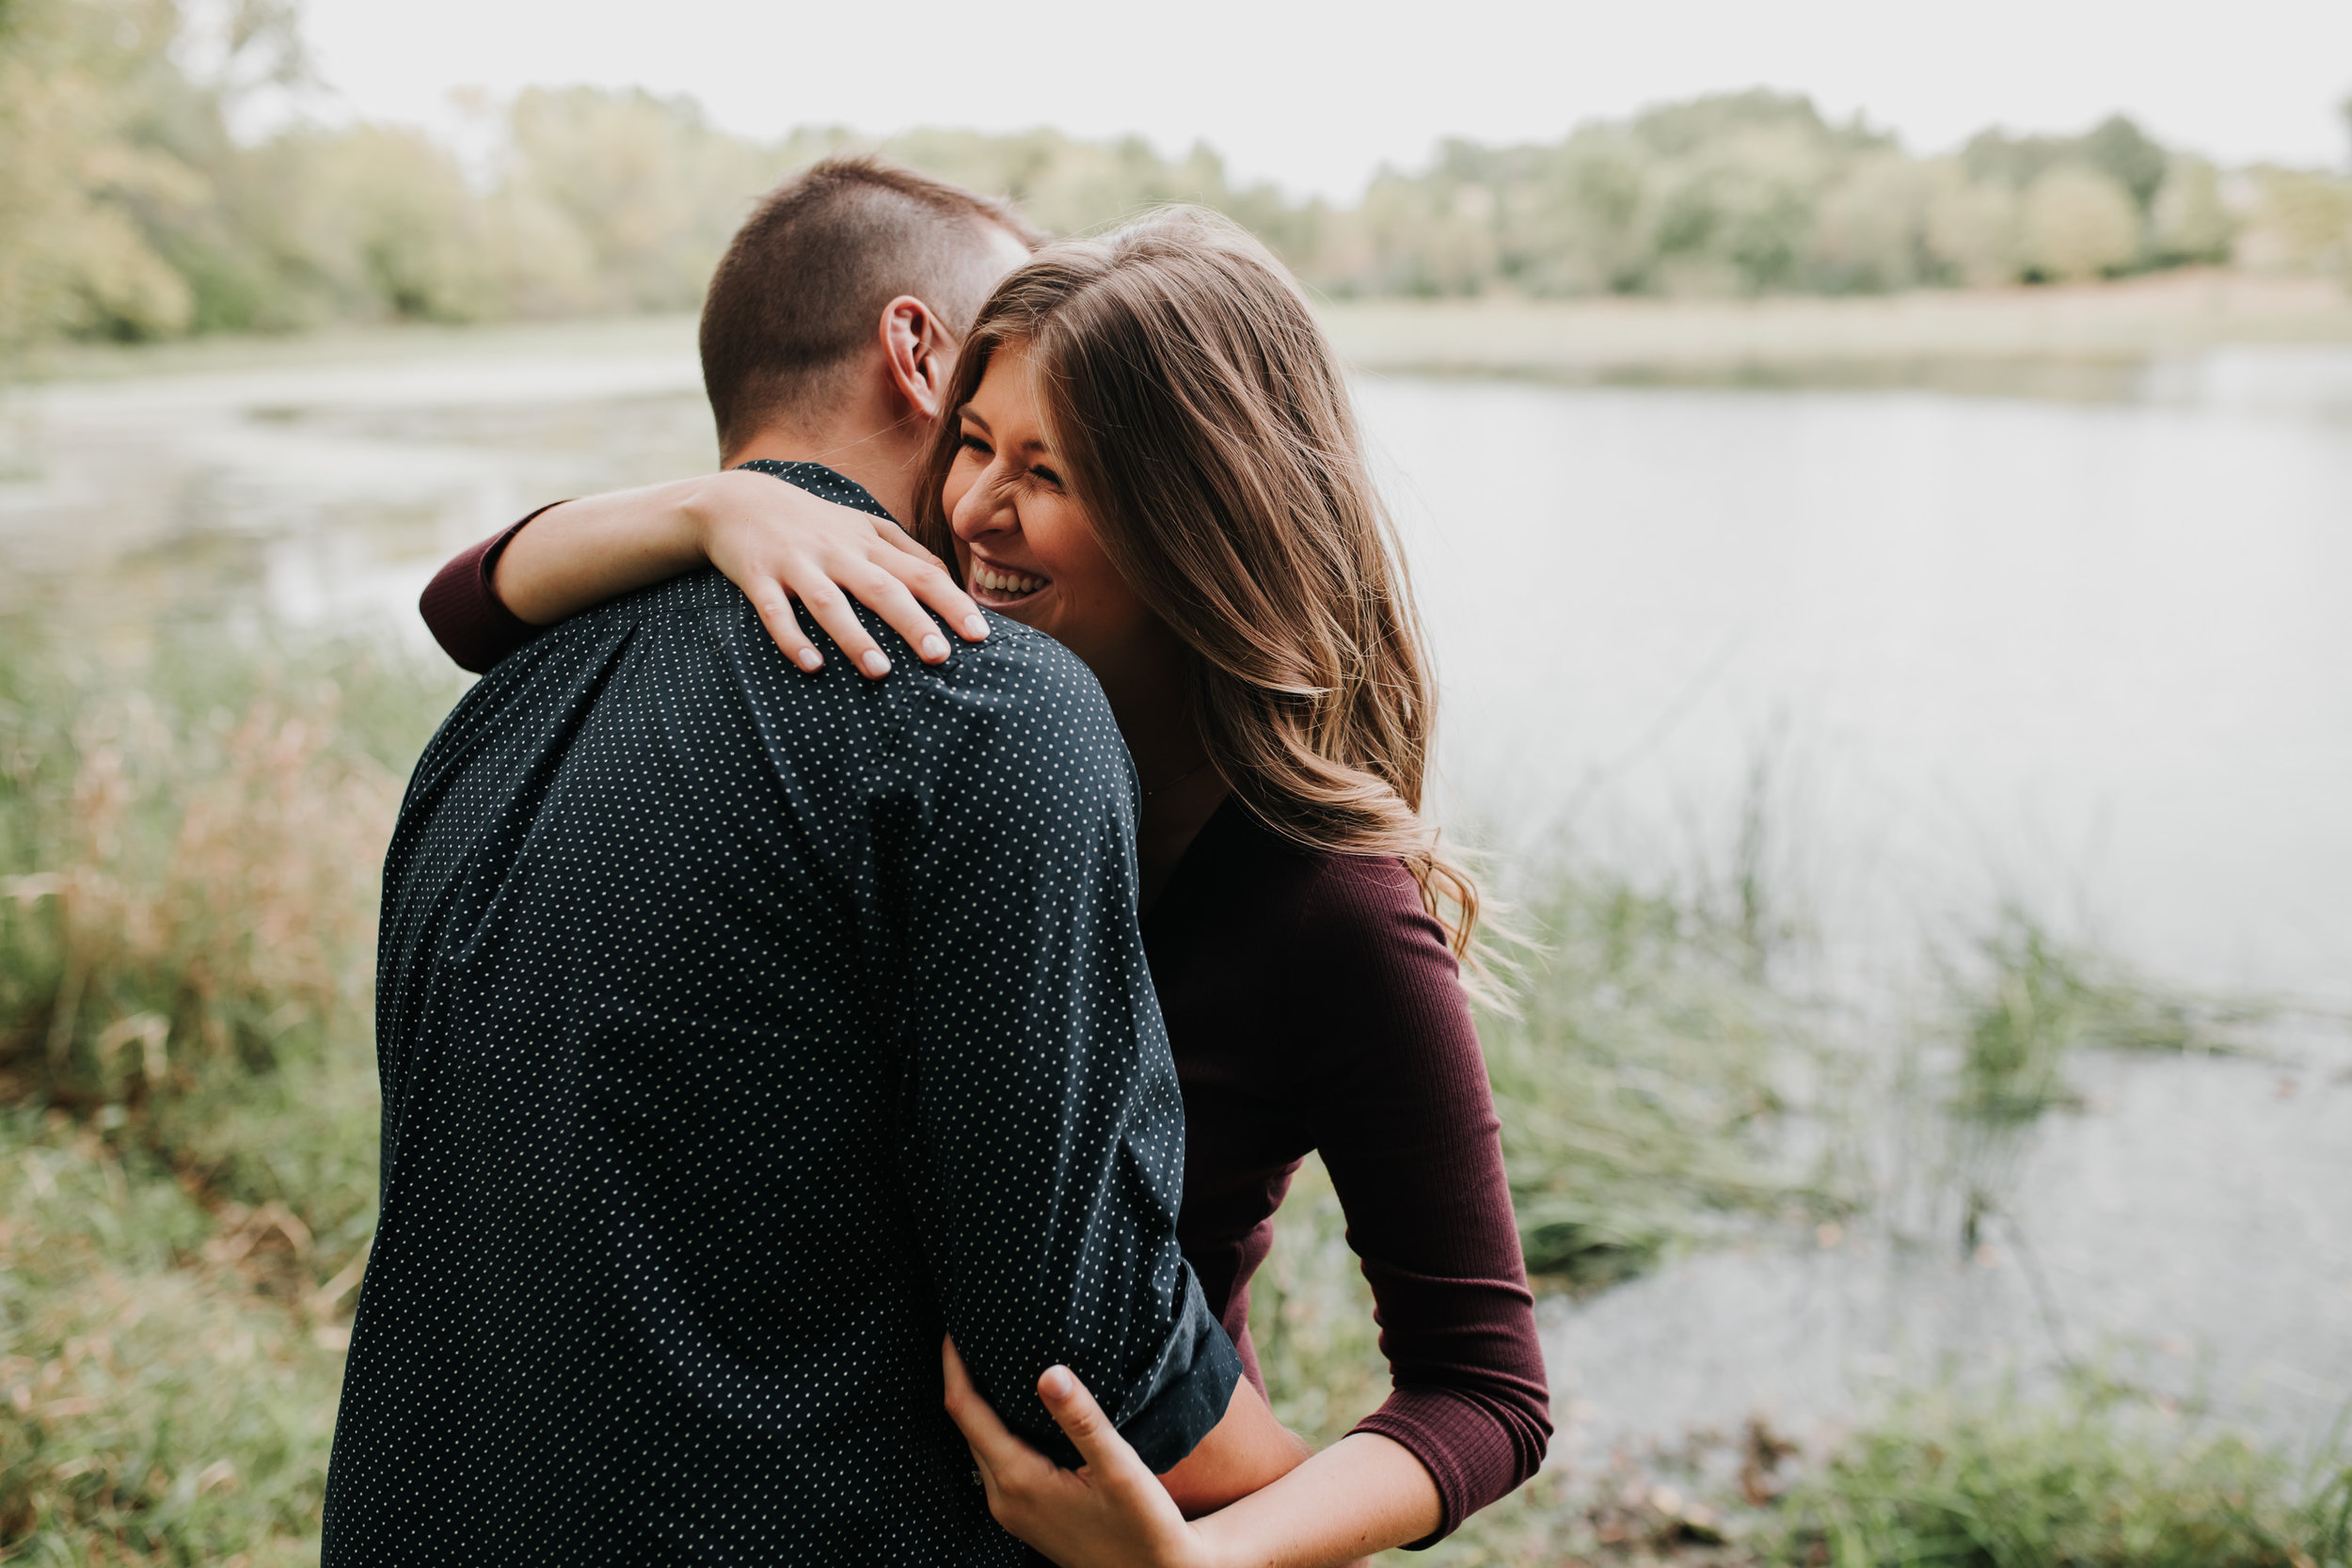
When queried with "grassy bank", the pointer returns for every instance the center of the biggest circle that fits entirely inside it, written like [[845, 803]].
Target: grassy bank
[[188, 854], [2068, 338], [2077, 339]]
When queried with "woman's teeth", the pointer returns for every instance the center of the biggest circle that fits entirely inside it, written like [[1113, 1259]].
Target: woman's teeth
[[1010, 584]]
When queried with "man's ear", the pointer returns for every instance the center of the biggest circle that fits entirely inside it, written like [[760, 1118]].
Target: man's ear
[[917, 352]]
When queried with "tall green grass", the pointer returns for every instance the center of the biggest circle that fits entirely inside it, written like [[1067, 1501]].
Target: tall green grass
[[2095, 1478], [2090, 1475], [189, 855], [161, 1400], [1646, 1076], [189, 851]]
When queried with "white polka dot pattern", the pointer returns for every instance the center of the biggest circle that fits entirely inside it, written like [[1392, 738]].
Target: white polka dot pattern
[[741, 1031]]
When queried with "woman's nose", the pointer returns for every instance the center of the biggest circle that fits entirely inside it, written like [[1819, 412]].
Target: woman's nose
[[983, 508]]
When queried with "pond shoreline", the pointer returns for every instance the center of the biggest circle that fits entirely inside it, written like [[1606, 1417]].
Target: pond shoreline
[[1948, 338]]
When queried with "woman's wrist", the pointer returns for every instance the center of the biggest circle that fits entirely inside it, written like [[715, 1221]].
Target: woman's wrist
[[703, 504], [586, 551], [1229, 1543]]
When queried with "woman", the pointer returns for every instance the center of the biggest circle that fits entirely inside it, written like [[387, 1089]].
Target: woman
[[1149, 454]]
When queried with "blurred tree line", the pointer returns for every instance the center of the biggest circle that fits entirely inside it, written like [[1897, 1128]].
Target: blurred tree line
[[131, 208]]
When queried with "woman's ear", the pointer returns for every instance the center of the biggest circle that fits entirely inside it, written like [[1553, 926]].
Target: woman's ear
[[919, 353]]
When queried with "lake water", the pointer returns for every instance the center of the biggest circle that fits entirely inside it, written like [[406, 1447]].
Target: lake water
[[2094, 656]]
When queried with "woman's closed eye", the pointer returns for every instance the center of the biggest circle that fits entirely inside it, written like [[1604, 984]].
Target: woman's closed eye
[[975, 445]]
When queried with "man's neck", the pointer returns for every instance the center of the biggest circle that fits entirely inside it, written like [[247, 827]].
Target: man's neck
[[888, 467]]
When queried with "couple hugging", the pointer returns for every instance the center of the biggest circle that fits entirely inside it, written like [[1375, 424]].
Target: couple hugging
[[853, 997]]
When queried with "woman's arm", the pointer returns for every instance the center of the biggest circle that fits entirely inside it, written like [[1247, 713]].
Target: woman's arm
[[773, 539], [1395, 1088]]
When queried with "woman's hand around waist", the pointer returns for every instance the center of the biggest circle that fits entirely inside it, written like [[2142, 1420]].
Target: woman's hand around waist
[[1363, 1493], [1111, 1511]]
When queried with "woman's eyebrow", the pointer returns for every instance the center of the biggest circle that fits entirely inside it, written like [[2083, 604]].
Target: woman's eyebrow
[[968, 412]]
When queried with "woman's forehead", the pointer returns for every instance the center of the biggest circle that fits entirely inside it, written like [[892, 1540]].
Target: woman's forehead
[[1006, 400]]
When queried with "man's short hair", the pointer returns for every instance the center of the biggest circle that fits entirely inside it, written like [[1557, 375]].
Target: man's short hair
[[800, 290]]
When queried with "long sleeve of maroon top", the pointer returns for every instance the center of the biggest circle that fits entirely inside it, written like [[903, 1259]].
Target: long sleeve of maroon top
[[1406, 1127], [1311, 1005], [464, 611]]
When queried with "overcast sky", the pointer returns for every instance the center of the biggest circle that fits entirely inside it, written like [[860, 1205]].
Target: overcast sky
[[1316, 95]]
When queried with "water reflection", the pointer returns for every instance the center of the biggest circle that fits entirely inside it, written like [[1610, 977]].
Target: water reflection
[[2187, 1229]]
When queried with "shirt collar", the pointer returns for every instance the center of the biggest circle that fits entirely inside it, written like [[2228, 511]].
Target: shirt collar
[[822, 483]]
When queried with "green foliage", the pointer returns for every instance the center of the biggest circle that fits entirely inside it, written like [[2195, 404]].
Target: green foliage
[[158, 1402], [131, 212], [2090, 1475], [188, 1119], [2098, 1479], [2077, 223], [1311, 1317], [75, 76], [187, 885], [2116, 147], [2299, 222], [1755, 193]]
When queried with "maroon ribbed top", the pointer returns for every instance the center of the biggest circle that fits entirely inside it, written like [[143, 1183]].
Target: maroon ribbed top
[[1311, 1005]]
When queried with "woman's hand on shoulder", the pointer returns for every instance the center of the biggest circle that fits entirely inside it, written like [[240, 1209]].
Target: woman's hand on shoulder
[[1111, 1512], [777, 542]]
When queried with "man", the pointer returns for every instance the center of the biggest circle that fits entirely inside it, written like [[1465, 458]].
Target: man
[[745, 1028]]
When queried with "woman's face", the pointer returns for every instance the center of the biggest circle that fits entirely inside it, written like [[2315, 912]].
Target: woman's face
[[1028, 549]]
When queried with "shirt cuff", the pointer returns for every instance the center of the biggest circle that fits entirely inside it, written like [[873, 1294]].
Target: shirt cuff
[[1189, 1393]]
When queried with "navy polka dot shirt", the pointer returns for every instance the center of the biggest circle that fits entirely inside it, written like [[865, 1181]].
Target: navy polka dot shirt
[[741, 1033]]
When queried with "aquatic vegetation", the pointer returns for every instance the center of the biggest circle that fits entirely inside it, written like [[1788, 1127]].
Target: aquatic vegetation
[[2029, 998], [1645, 1076]]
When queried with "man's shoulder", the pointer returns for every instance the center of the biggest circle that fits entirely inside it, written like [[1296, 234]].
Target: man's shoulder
[[1017, 685], [1015, 717], [1022, 660]]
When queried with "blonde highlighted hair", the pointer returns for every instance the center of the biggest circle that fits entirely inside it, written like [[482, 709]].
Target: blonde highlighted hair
[[1198, 414]]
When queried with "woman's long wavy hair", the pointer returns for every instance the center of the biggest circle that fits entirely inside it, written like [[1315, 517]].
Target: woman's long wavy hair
[[1199, 415]]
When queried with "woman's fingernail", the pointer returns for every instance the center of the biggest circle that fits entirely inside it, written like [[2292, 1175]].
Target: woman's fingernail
[[975, 628], [934, 647], [1056, 1383], [810, 659], [875, 662]]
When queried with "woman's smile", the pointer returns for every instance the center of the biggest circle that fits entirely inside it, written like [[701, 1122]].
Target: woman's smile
[[1000, 587]]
